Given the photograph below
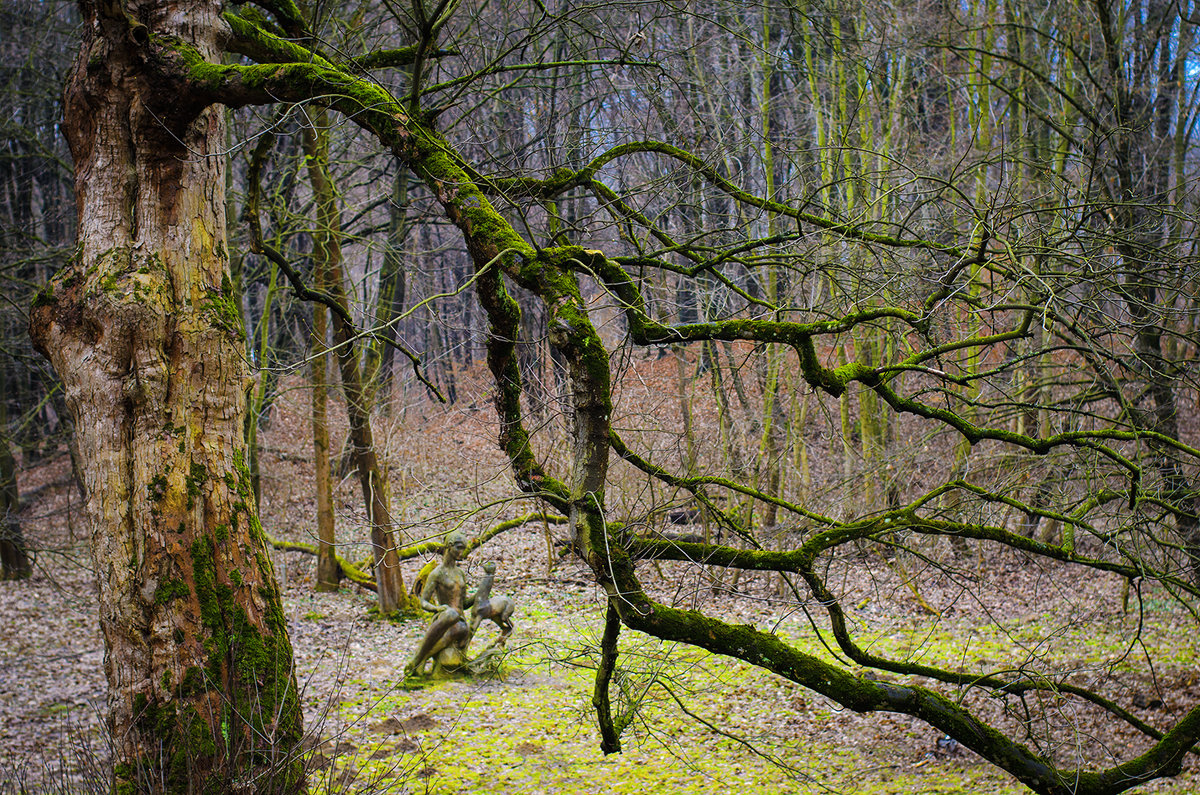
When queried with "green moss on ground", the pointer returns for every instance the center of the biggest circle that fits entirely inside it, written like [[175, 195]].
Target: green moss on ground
[[534, 731]]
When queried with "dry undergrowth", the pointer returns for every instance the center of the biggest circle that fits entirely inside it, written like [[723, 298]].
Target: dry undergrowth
[[700, 725]]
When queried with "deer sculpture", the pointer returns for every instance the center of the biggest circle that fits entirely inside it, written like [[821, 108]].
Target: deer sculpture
[[498, 609]]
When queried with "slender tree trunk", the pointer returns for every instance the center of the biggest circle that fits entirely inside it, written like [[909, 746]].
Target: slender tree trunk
[[393, 288], [14, 557], [328, 253], [144, 330], [685, 412], [329, 572]]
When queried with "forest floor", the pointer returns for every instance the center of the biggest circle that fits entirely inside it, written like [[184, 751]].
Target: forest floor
[[702, 724]]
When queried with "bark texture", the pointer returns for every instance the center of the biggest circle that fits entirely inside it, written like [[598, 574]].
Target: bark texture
[[329, 572], [328, 255], [144, 330]]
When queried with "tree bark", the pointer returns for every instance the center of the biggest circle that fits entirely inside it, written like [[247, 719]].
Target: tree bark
[[143, 329], [327, 252], [393, 288], [329, 572], [14, 556]]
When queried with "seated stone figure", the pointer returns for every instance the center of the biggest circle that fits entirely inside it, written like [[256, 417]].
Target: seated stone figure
[[445, 593]]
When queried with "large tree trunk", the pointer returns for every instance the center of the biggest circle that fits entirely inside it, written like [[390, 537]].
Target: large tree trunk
[[144, 330]]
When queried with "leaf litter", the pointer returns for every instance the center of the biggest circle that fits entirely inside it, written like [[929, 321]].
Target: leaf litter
[[697, 723]]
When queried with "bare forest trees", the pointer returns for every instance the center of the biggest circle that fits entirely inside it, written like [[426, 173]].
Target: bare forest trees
[[36, 236], [934, 263]]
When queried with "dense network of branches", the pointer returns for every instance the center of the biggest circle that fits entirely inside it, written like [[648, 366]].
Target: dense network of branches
[[963, 235]]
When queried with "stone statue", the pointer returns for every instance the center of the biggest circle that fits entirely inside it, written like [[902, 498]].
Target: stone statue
[[448, 636], [496, 608]]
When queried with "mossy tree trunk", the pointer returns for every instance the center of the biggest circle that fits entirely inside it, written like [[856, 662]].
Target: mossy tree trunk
[[327, 254], [329, 572], [144, 331]]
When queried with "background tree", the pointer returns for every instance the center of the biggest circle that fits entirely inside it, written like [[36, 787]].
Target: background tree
[[36, 237]]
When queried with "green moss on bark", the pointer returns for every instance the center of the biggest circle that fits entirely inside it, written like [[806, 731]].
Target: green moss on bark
[[251, 665], [223, 308], [170, 590], [157, 488], [45, 297], [185, 739], [194, 482]]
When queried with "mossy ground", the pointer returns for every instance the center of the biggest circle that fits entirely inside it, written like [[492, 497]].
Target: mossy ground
[[533, 730]]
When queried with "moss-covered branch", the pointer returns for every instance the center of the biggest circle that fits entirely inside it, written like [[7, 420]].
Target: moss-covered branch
[[349, 570], [288, 15], [899, 520], [863, 694], [610, 731], [435, 545], [356, 573], [252, 40], [504, 322]]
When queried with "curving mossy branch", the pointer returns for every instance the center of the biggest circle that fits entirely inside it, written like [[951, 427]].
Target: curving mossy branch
[[357, 573], [504, 317], [289, 20], [436, 544], [354, 572], [863, 694], [903, 519], [289, 72]]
